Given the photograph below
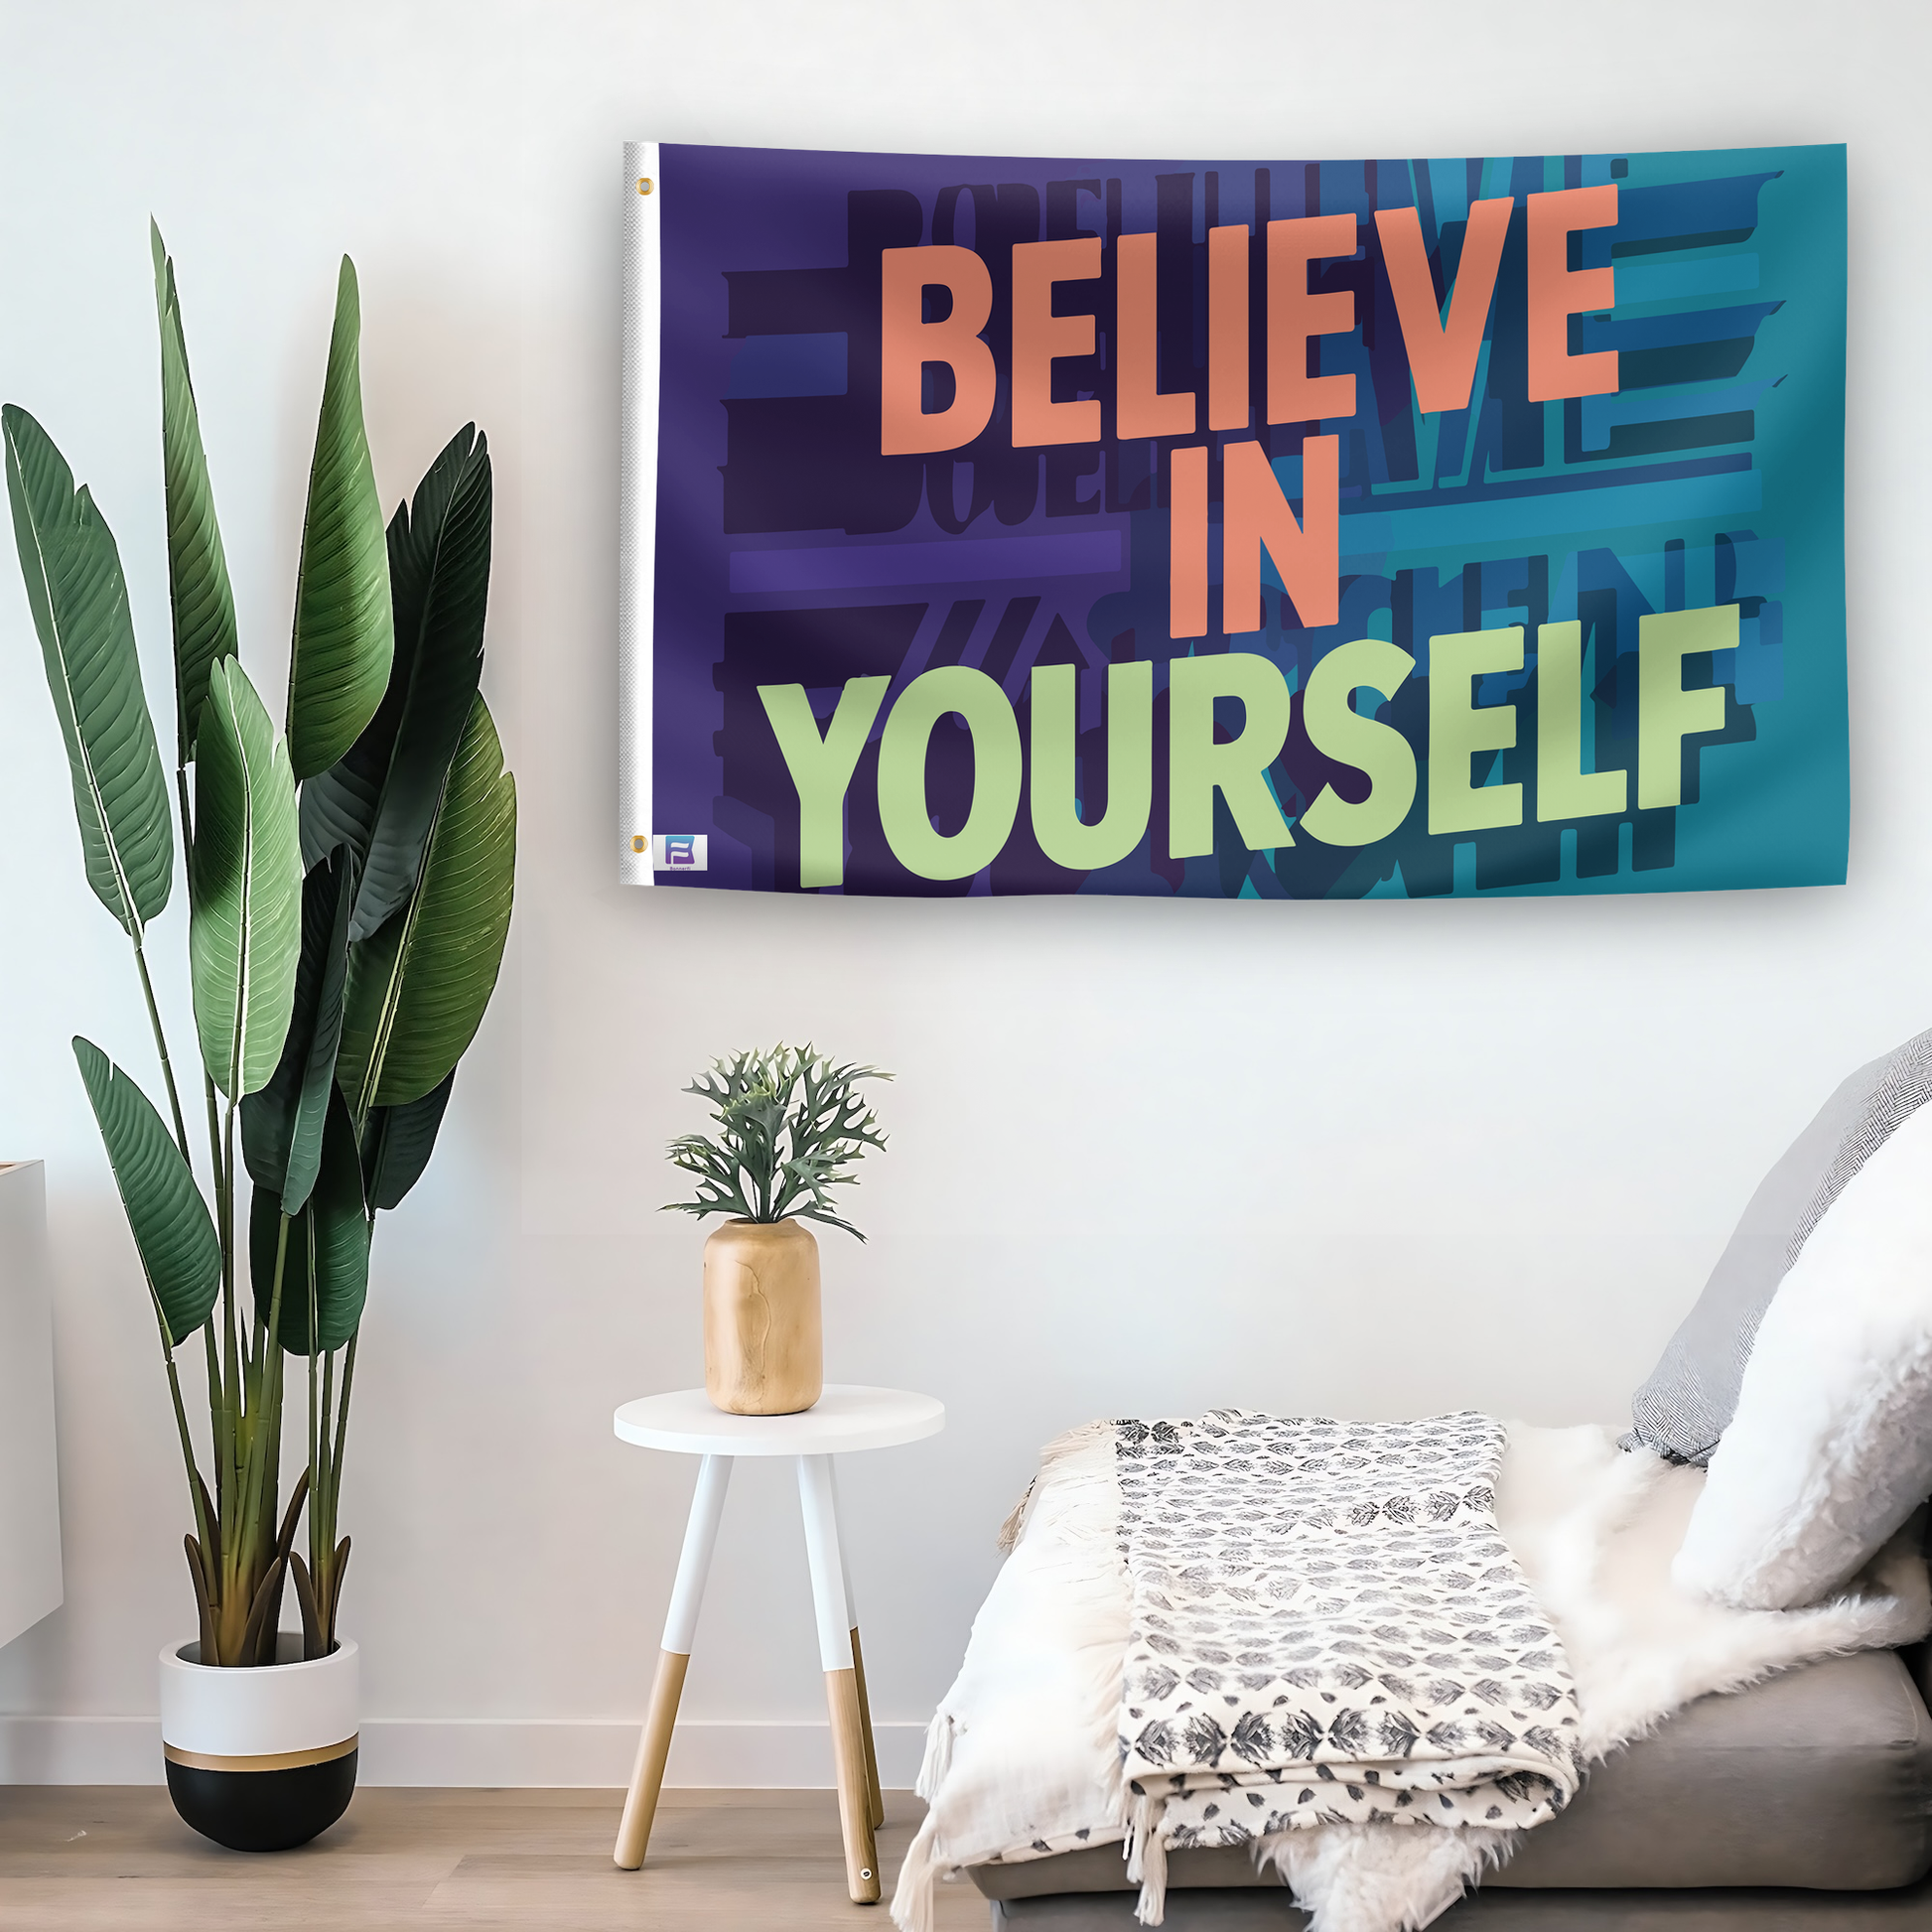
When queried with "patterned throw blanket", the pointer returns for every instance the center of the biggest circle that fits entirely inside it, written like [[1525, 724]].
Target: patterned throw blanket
[[1326, 1627]]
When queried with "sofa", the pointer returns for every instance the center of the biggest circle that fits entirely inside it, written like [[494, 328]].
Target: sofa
[[1799, 1805], [1801, 1381]]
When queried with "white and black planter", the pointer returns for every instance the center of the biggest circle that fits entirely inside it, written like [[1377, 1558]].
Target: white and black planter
[[261, 1759]]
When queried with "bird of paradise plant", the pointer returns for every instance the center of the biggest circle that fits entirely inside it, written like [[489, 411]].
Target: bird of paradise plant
[[349, 885]]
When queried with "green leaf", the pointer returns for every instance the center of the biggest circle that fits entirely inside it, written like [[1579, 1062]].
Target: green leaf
[[417, 989], [281, 1126], [197, 571], [326, 1266], [78, 599], [180, 1254], [344, 636], [398, 1142], [245, 935], [338, 805], [381, 796]]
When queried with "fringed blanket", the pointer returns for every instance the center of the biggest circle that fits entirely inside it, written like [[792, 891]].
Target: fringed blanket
[[1024, 1755], [1326, 1627]]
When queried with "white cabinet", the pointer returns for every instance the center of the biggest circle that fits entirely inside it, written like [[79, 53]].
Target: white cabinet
[[29, 1500]]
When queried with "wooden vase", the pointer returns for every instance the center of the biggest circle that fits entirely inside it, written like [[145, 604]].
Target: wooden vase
[[763, 1345]]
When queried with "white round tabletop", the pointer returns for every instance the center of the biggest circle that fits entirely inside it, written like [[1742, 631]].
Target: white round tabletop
[[845, 1417]]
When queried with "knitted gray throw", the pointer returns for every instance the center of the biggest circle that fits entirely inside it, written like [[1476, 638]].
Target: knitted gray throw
[[1327, 1627]]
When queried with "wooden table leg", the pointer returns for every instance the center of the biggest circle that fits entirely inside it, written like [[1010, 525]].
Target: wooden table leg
[[680, 1626], [875, 1797], [878, 1797], [820, 1511]]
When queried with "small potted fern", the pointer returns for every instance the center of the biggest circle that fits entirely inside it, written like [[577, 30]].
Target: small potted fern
[[790, 1127]]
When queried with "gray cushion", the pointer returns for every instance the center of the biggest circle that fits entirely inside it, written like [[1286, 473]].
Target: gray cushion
[[1692, 1394], [1820, 1778]]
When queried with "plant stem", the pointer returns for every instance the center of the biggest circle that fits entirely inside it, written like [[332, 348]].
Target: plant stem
[[317, 1434], [220, 1396], [341, 1413], [218, 1433], [161, 1048], [193, 1470], [322, 1508], [181, 1426], [242, 1574], [266, 1362], [232, 1388], [188, 1451], [334, 1492], [231, 1349], [214, 1136]]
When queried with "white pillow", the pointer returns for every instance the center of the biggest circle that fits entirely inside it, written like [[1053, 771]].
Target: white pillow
[[1830, 1448]]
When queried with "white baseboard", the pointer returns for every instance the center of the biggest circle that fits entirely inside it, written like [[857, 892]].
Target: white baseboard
[[480, 1751]]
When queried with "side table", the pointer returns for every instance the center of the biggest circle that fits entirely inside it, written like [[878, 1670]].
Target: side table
[[843, 1419]]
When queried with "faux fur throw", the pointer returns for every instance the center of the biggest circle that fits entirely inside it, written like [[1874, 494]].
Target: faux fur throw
[[1326, 1627]]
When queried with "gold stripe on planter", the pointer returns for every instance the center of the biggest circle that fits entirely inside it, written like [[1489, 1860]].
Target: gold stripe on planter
[[266, 1762]]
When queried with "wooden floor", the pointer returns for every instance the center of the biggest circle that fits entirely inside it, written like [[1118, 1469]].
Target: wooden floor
[[112, 1859]]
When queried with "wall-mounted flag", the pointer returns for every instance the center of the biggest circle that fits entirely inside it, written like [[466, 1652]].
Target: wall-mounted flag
[[1280, 529]]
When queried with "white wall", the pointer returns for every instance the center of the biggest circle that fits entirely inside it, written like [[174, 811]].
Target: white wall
[[1371, 1157]]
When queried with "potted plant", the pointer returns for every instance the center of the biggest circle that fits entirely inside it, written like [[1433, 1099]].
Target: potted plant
[[349, 885], [791, 1126]]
